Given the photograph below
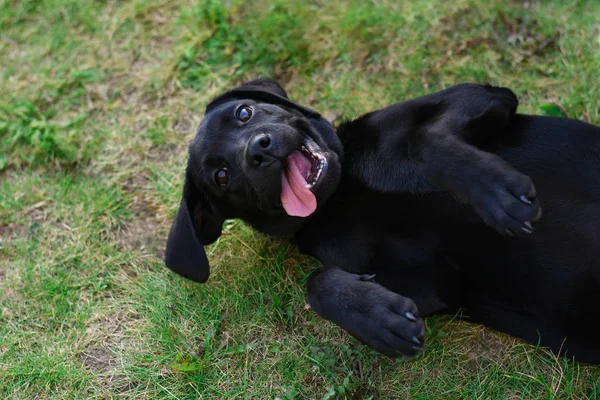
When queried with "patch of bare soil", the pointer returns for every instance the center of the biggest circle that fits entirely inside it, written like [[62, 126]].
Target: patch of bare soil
[[147, 232], [107, 335], [98, 358], [11, 230]]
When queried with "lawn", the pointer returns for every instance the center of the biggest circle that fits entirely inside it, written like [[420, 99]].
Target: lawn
[[99, 100]]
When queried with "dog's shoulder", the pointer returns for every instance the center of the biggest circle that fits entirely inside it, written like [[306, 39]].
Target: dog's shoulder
[[377, 139]]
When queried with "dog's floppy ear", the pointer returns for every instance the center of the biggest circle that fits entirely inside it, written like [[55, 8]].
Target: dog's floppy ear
[[195, 226], [261, 89]]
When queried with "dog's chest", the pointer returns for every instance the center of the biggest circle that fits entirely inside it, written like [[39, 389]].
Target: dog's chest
[[364, 229]]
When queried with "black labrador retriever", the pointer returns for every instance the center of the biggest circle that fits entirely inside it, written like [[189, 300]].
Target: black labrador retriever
[[424, 206]]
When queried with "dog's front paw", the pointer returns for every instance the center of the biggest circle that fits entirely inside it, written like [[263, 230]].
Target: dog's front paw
[[507, 202], [386, 321]]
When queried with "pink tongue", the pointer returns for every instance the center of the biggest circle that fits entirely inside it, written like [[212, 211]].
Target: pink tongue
[[297, 199]]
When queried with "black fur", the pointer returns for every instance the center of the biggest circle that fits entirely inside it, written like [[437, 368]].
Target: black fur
[[427, 206]]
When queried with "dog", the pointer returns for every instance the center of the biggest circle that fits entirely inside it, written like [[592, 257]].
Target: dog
[[426, 206]]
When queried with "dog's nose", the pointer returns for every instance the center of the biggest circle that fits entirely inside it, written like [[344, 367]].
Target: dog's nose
[[259, 149]]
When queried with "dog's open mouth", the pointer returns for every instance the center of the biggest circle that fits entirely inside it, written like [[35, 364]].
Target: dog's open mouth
[[318, 163], [302, 171]]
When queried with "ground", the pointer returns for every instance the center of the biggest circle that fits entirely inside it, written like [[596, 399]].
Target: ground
[[99, 101]]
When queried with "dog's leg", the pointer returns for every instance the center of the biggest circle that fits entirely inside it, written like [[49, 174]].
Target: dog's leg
[[436, 143], [504, 198], [446, 150], [386, 321]]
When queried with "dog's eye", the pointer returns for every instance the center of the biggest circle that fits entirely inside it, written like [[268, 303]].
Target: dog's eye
[[222, 177], [244, 113]]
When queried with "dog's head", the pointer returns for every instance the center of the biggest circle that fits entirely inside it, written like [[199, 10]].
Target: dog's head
[[257, 156]]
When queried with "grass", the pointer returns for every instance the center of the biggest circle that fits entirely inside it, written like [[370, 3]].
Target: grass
[[99, 100]]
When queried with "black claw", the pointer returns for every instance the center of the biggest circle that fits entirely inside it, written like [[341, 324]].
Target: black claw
[[418, 348], [527, 230], [509, 232], [410, 316], [415, 340], [525, 199], [367, 277]]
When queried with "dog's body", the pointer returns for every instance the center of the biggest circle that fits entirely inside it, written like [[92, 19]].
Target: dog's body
[[406, 205]]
